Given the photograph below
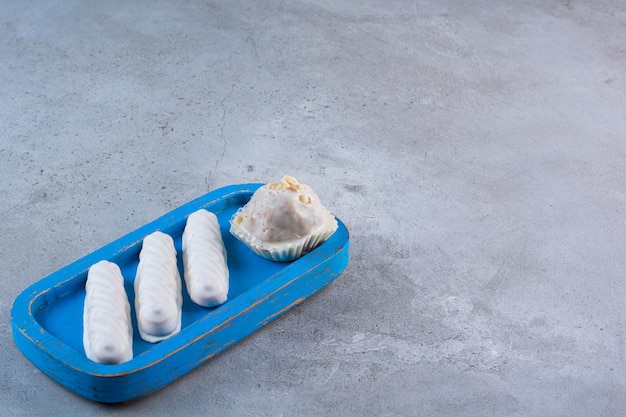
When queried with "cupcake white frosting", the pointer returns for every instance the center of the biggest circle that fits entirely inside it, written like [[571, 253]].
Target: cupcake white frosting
[[283, 221]]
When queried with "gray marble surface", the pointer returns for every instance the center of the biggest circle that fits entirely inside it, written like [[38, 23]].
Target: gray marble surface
[[476, 150]]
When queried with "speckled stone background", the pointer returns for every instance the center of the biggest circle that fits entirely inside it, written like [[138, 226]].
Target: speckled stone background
[[476, 150]]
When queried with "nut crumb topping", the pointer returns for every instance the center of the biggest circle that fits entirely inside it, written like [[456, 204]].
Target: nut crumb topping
[[289, 180]]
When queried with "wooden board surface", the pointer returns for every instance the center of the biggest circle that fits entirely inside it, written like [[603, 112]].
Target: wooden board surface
[[47, 316]]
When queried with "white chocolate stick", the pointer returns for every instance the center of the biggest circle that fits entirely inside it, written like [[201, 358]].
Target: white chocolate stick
[[204, 260], [158, 289], [107, 329]]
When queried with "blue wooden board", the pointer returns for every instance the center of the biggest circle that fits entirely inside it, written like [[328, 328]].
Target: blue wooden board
[[47, 317]]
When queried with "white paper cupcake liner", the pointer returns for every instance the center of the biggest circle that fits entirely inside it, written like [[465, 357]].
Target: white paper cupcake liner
[[284, 251]]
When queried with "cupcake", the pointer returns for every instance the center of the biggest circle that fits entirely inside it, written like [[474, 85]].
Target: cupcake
[[283, 221]]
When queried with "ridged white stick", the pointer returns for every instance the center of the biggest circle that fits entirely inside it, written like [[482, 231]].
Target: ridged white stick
[[107, 329], [158, 289], [204, 260]]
